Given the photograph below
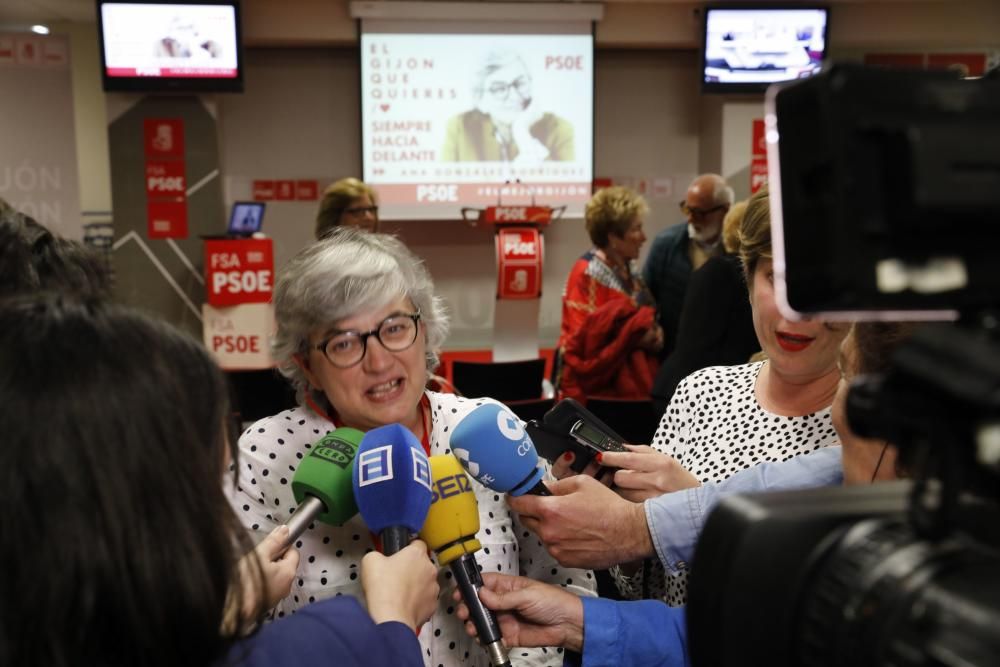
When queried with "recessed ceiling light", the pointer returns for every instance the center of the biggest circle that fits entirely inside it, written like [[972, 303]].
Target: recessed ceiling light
[[40, 29]]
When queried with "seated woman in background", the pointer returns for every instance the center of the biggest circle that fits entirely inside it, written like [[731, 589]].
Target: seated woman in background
[[609, 337], [649, 632], [716, 323], [359, 328], [727, 418], [347, 202], [122, 548]]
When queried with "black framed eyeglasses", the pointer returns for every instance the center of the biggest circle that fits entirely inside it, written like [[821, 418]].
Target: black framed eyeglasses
[[699, 212], [396, 333], [361, 210]]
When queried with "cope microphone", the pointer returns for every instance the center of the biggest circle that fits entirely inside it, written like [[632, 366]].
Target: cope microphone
[[450, 530], [322, 483], [392, 485], [492, 445]]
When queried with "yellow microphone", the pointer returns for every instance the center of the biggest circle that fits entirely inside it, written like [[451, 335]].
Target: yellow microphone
[[450, 530]]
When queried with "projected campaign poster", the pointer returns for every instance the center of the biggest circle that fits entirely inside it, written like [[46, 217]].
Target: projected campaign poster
[[476, 120]]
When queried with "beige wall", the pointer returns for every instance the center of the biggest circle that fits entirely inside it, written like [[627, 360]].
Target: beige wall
[[299, 117]]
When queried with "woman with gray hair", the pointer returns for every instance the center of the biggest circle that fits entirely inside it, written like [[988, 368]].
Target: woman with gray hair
[[358, 332]]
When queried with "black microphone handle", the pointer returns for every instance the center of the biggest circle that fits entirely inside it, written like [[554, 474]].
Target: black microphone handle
[[465, 569], [394, 539], [539, 490]]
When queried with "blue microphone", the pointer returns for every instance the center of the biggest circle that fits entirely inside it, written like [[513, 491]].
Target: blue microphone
[[493, 447], [392, 485]]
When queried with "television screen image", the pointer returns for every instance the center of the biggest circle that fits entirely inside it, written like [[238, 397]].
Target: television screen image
[[246, 218], [453, 120], [183, 46], [748, 49]]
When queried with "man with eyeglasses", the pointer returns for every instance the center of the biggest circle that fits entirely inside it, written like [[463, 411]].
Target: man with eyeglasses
[[507, 124], [681, 249]]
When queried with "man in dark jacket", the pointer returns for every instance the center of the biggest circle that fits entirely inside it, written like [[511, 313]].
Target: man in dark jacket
[[679, 250]]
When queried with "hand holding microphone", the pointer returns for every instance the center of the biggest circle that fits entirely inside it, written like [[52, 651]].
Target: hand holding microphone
[[493, 446], [450, 529], [322, 483], [322, 489], [392, 485], [530, 613], [402, 587], [277, 564]]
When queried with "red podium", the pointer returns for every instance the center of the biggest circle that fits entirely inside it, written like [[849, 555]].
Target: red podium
[[520, 258]]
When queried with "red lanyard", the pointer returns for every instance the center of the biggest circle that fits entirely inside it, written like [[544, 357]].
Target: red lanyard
[[425, 411]]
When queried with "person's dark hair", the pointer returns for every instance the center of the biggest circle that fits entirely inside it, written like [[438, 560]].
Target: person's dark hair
[[875, 342], [874, 345], [32, 258], [121, 544]]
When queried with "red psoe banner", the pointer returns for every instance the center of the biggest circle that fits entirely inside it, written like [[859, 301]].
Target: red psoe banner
[[239, 271], [758, 156], [263, 190], [164, 138], [167, 218], [166, 185], [520, 255], [165, 179]]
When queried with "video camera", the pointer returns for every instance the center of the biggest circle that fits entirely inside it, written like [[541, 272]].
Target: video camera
[[885, 205]]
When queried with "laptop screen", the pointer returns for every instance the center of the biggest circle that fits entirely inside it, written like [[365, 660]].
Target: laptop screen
[[246, 218]]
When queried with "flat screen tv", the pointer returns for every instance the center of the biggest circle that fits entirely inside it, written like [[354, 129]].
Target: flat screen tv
[[179, 46], [745, 49]]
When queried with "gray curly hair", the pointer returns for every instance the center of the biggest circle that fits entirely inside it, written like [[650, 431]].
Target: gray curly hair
[[348, 271]]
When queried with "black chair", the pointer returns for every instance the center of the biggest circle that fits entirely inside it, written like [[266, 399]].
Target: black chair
[[634, 420], [502, 380], [530, 408]]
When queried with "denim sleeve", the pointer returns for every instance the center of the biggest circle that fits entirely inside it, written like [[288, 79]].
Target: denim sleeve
[[675, 519], [647, 632]]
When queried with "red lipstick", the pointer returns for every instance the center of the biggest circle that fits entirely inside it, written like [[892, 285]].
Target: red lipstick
[[790, 342]]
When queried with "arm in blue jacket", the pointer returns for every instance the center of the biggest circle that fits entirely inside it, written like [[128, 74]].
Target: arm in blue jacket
[[647, 632], [336, 629]]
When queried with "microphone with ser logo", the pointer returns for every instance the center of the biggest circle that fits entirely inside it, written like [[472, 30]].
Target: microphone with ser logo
[[450, 530]]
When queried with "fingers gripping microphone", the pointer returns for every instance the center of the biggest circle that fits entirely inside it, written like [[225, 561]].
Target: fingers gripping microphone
[[494, 448], [392, 485], [450, 529], [322, 483]]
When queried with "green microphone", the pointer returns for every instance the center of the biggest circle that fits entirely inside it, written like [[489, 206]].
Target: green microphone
[[322, 483]]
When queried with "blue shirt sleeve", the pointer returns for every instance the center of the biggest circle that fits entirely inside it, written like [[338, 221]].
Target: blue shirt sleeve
[[335, 627], [675, 519], [647, 632]]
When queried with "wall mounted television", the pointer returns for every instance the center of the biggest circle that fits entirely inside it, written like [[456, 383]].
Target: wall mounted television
[[183, 46], [747, 48]]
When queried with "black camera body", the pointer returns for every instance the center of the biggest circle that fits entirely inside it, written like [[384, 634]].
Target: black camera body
[[885, 204]]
